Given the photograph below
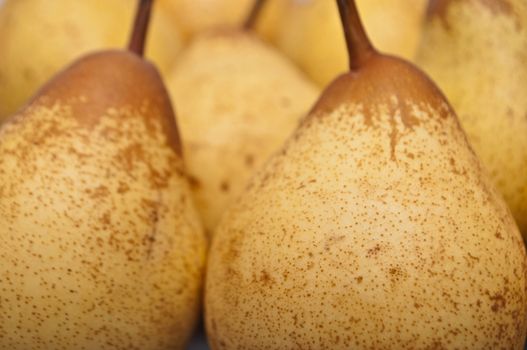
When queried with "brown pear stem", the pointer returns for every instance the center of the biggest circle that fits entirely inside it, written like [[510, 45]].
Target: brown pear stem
[[359, 46], [140, 27], [253, 14]]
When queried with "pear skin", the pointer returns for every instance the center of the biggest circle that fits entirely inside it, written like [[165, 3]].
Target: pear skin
[[101, 246], [198, 16], [195, 17], [375, 227], [476, 51], [238, 101]]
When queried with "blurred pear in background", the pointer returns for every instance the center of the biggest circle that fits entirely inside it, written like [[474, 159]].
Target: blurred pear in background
[[238, 99], [40, 37], [476, 51], [197, 16]]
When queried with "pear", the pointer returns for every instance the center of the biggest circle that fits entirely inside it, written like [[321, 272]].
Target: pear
[[477, 53], [375, 227], [101, 247], [39, 37], [311, 34], [197, 16], [238, 100]]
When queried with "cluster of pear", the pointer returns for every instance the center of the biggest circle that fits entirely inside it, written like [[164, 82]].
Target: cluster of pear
[[318, 193], [38, 37]]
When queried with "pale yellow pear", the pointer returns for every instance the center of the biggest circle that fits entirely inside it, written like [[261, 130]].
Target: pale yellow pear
[[374, 227], [238, 100], [101, 246], [198, 16], [311, 34], [38, 37], [477, 53]]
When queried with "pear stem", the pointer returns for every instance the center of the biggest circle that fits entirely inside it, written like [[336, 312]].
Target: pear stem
[[140, 27], [359, 46], [251, 19]]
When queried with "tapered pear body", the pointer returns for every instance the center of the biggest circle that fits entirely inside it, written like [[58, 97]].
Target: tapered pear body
[[477, 53], [100, 245], [238, 101], [375, 227]]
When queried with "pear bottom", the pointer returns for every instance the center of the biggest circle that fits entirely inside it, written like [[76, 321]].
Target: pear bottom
[[374, 228], [101, 247]]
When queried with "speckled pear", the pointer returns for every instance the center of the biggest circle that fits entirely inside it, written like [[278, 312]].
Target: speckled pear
[[101, 247], [238, 100], [375, 227], [477, 53]]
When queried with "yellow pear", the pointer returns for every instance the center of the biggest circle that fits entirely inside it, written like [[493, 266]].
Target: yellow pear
[[312, 38], [101, 247], [477, 53], [38, 37], [374, 227], [198, 16], [238, 100]]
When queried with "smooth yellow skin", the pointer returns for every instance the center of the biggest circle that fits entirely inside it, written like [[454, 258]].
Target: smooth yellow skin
[[101, 247], [238, 100], [39, 37], [368, 232], [477, 55], [198, 16], [311, 33]]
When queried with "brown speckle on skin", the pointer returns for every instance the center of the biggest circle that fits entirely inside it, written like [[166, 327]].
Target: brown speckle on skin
[[498, 302], [224, 186], [123, 187], [374, 251], [249, 160], [194, 181], [265, 278]]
